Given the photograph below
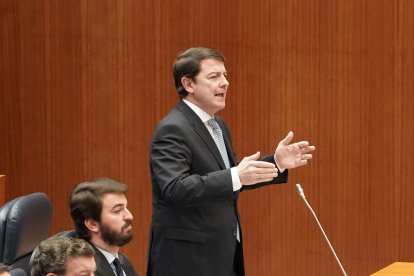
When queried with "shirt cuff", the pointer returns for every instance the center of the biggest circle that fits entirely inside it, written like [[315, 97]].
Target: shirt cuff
[[235, 179], [278, 167]]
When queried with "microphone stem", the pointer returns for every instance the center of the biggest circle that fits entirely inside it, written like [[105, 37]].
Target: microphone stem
[[326, 237]]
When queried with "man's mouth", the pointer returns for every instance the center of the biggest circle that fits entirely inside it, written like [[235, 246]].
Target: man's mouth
[[219, 94], [128, 224]]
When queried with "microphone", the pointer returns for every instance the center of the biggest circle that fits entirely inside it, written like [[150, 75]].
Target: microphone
[[302, 195], [300, 191]]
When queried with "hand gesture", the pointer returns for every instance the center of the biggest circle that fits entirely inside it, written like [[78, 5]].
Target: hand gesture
[[252, 171], [293, 155]]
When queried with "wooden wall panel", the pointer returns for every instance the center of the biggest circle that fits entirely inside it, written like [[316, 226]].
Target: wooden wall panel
[[83, 84], [2, 189]]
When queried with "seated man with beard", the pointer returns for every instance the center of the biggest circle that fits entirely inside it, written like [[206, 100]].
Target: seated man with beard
[[99, 211]]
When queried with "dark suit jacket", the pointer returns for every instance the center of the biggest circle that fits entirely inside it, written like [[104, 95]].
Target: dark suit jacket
[[194, 208], [103, 267]]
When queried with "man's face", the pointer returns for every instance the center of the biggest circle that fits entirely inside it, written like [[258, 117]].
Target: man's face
[[80, 266], [209, 88], [116, 220]]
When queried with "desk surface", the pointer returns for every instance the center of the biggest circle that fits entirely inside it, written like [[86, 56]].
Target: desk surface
[[395, 269]]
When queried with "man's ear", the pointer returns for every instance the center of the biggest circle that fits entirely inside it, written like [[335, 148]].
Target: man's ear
[[187, 84], [91, 224], [51, 274]]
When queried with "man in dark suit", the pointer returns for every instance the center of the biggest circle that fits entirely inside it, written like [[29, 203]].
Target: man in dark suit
[[196, 179], [100, 214]]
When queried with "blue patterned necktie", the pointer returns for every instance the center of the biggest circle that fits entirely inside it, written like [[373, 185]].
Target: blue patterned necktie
[[218, 138], [118, 267]]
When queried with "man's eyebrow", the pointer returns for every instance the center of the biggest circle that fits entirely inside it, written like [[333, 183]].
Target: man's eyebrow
[[217, 72], [118, 205]]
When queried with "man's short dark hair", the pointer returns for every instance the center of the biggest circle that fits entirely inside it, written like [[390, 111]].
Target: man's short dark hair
[[86, 201], [187, 65], [52, 254]]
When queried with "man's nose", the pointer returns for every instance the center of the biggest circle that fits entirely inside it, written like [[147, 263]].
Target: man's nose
[[224, 81], [128, 215]]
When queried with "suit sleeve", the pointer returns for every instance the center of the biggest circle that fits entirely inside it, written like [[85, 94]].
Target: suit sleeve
[[174, 158], [281, 178]]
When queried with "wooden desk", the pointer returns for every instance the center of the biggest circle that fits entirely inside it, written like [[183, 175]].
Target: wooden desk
[[395, 269], [2, 189]]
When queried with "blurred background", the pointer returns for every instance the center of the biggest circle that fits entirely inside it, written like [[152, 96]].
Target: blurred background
[[84, 83]]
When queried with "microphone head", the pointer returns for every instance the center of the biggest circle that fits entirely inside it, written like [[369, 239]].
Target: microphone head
[[300, 190]]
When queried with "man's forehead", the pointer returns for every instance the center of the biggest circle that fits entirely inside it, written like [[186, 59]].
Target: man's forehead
[[111, 199], [212, 65], [80, 265]]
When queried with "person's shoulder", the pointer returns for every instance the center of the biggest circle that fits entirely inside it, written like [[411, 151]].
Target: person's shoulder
[[99, 256], [173, 120], [173, 117]]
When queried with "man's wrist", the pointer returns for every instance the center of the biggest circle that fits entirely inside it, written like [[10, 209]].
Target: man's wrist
[[235, 179], [278, 166]]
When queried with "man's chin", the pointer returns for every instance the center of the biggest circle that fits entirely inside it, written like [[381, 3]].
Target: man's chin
[[124, 240], [127, 239], [118, 239], [220, 106], [127, 234]]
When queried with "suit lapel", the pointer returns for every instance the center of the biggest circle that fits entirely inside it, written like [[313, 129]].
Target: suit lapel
[[202, 131], [103, 268], [126, 265]]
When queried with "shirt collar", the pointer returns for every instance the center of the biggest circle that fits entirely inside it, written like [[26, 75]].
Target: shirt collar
[[204, 116], [107, 255]]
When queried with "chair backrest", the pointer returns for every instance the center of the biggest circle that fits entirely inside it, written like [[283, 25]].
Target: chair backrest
[[4, 211], [24, 223], [67, 234]]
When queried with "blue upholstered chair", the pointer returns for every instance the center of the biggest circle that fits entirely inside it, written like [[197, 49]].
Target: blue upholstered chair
[[24, 223]]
